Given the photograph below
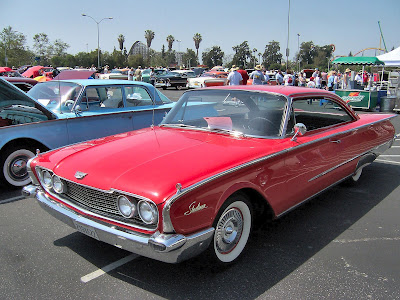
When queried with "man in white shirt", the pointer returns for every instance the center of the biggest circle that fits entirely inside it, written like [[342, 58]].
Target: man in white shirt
[[131, 72], [234, 77]]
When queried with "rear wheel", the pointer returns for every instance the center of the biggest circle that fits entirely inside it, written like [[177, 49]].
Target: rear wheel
[[232, 229], [14, 166]]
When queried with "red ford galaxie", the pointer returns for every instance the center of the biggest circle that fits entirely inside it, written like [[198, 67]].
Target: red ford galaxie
[[222, 159]]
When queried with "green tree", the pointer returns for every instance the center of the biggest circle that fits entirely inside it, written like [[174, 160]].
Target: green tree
[[197, 40], [121, 41], [272, 58], [242, 54], [189, 58], [41, 44], [12, 45], [170, 58], [170, 41], [213, 57], [136, 60], [149, 36], [307, 54]]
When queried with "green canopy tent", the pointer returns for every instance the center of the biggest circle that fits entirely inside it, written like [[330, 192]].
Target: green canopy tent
[[365, 99], [361, 60]]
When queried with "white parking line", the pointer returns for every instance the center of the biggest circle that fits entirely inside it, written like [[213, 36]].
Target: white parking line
[[389, 155], [388, 161], [108, 268], [12, 199]]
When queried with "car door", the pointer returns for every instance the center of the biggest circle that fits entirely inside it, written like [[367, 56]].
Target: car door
[[99, 112], [325, 154]]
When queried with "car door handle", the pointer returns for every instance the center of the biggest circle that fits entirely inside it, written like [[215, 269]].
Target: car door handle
[[336, 141]]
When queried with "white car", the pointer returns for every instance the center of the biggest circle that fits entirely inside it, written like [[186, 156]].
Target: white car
[[116, 74], [207, 79]]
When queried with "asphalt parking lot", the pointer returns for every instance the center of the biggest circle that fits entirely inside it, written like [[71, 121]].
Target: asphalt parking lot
[[345, 244]]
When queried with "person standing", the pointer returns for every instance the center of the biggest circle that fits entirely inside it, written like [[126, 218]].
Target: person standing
[[279, 78], [244, 74], [234, 77], [288, 78], [138, 73], [131, 72], [311, 83], [257, 75], [302, 79], [318, 80]]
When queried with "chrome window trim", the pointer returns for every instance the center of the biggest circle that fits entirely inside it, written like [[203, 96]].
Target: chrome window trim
[[167, 224]]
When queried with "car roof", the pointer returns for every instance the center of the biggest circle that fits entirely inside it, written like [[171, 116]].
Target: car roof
[[104, 82], [288, 91]]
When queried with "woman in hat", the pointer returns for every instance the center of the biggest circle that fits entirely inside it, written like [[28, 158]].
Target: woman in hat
[[346, 78]]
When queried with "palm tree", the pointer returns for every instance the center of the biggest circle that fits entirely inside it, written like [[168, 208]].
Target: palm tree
[[170, 41], [121, 40], [149, 35], [197, 40]]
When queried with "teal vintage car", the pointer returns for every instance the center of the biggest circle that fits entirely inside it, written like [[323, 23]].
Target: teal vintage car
[[62, 112]]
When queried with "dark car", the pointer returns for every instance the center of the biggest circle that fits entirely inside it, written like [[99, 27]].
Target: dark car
[[177, 79], [23, 83]]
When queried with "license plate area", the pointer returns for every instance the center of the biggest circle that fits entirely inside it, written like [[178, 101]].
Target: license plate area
[[85, 229]]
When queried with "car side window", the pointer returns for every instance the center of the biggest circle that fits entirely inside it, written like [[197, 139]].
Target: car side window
[[318, 113], [137, 96], [96, 98]]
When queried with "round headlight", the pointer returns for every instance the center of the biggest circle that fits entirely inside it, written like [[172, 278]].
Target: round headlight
[[46, 179], [147, 212], [126, 207], [58, 185]]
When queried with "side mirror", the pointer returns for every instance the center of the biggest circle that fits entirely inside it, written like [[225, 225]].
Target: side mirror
[[299, 130], [78, 109]]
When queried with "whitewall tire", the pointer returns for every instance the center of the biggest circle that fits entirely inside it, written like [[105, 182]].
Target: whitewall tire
[[232, 230], [14, 166]]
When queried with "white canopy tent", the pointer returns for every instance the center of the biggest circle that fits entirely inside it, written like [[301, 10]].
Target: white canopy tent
[[391, 59]]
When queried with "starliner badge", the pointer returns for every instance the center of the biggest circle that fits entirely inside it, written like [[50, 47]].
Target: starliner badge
[[80, 175]]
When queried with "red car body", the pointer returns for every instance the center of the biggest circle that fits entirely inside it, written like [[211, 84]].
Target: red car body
[[36, 71], [193, 177]]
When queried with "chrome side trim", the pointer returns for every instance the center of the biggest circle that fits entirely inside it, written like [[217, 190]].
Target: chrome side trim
[[167, 224], [375, 152]]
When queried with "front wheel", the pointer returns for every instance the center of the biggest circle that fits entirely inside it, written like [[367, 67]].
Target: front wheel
[[14, 166], [232, 230]]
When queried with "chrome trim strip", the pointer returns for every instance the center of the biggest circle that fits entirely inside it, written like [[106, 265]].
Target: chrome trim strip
[[335, 167], [379, 149]]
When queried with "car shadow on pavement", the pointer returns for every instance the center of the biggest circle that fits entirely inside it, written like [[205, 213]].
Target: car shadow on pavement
[[274, 251]]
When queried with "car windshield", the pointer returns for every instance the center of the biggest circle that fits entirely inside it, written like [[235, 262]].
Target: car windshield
[[232, 111], [56, 95]]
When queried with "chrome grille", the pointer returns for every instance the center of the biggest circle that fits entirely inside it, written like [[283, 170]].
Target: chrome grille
[[99, 202]]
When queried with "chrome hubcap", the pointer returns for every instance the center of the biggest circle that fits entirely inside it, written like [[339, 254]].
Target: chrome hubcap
[[229, 230], [18, 168]]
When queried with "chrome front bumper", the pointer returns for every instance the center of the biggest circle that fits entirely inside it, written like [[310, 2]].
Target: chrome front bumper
[[169, 248]]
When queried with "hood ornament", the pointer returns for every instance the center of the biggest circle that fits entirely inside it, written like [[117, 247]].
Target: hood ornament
[[178, 187], [80, 175]]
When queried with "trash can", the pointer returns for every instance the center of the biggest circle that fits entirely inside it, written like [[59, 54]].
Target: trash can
[[387, 103]]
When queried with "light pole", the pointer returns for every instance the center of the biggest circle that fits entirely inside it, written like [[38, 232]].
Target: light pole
[[298, 52], [179, 52], [287, 45], [259, 58], [98, 37]]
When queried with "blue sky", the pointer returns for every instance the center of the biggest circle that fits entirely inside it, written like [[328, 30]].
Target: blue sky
[[349, 25]]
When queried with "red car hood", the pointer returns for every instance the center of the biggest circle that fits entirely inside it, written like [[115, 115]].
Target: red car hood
[[151, 161]]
